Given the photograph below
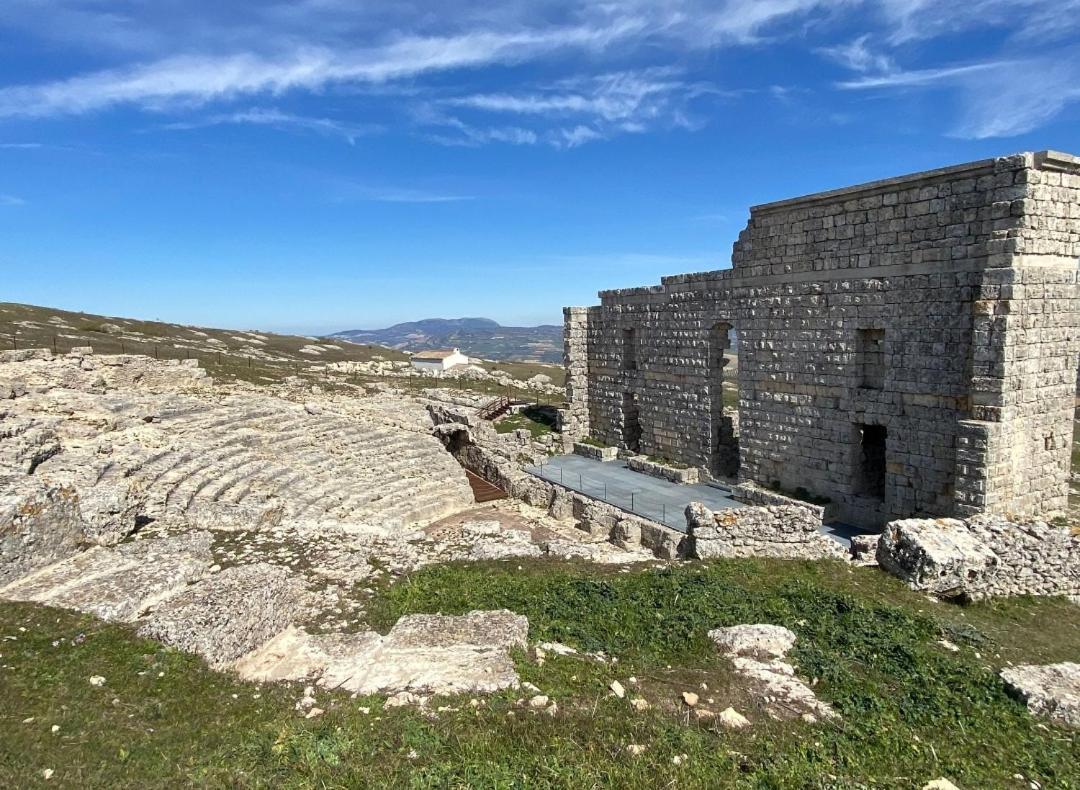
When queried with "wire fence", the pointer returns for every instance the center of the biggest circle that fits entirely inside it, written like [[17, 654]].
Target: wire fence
[[666, 513]]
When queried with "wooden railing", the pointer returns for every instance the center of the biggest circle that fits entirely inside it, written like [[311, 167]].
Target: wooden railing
[[494, 408]]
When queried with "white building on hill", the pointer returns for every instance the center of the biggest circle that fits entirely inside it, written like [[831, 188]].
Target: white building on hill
[[439, 360]]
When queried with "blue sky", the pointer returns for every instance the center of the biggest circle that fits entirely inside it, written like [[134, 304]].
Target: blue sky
[[326, 164]]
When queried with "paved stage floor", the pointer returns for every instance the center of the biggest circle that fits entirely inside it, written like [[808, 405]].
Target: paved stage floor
[[646, 496], [641, 494]]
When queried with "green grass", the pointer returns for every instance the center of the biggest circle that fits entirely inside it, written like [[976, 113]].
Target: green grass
[[912, 711], [537, 420]]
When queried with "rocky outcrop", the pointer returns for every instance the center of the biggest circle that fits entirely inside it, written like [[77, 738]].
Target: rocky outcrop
[[982, 556], [40, 523], [1051, 690], [422, 654], [786, 532], [229, 614], [120, 583], [138, 437], [757, 653]]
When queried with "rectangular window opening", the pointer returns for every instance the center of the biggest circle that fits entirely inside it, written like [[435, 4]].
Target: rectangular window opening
[[871, 357], [629, 350]]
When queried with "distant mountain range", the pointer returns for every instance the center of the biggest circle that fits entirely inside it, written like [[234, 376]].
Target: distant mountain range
[[477, 337]]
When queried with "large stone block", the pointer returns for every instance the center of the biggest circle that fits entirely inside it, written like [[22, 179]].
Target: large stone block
[[939, 556], [40, 523]]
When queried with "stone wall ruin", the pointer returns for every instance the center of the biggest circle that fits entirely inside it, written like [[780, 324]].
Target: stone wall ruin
[[905, 347]]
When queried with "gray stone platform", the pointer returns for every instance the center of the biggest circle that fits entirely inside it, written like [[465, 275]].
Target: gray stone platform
[[648, 497]]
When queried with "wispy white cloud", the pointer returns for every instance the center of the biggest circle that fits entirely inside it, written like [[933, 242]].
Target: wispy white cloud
[[574, 111], [11, 200], [1048, 20], [919, 77], [994, 98], [190, 80], [21, 146], [858, 56], [277, 119]]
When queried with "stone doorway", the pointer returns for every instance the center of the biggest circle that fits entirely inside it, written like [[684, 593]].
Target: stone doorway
[[723, 443], [631, 423], [869, 477]]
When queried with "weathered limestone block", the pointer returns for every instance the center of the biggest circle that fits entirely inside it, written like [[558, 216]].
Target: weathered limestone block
[[940, 556], [757, 653], [120, 583], [111, 510], [983, 556], [594, 452], [423, 654], [1051, 690], [789, 532], [11, 389], [40, 523], [768, 641], [864, 549], [229, 614], [639, 463], [26, 443]]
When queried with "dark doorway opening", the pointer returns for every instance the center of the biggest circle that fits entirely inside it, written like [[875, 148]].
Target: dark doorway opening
[[631, 427], [870, 461], [723, 444]]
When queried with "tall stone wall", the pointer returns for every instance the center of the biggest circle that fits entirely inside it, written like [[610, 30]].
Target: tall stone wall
[[905, 347], [575, 419]]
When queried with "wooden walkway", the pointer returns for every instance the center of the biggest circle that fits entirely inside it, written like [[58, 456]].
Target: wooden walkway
[[483, 491]]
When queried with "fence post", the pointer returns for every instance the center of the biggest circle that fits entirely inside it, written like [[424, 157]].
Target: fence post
[[631, 501], [663, 513], [580, 485]]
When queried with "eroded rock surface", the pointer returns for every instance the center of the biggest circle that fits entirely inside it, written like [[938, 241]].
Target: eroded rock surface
[[982, 556], [120, 583], [422, 654], [239, 521], [1051, 690], [230, 613], [40, 523], [757, 652]]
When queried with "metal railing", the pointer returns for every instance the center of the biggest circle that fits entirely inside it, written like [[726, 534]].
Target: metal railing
[[623, 498]]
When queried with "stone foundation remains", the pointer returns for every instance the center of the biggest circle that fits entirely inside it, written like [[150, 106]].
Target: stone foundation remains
[[905, 347]]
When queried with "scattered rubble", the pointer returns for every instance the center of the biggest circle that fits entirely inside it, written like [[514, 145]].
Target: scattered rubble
[[757, 652]]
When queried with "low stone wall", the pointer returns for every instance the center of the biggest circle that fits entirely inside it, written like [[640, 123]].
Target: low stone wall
[[785, 532], [753, 494], [982, 556], [596, 453], [640, 463]]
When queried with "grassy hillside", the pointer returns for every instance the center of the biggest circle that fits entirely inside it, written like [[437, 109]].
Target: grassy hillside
[[258, 357], [912, 709], [250, 355]]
